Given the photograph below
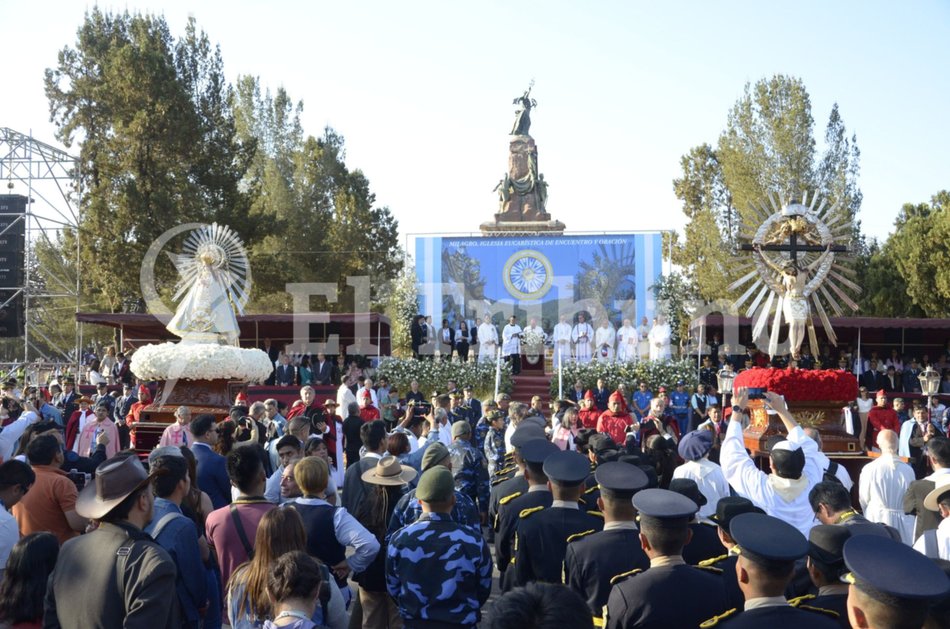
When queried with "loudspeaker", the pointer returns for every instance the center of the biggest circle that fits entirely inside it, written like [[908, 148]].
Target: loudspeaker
[[11, 315]]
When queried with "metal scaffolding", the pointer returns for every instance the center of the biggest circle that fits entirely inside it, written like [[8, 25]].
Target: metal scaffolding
[[49, 178]]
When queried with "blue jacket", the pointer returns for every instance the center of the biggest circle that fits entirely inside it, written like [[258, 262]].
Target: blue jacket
[[212, 475], [179, 537]]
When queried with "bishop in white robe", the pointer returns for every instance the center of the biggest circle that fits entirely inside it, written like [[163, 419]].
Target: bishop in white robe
[[643, 332], [487, 341], [627, 343], [582, 335], [562, 342], [660, 336], [605, 341]]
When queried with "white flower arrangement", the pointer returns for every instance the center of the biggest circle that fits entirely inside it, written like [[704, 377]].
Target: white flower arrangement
[[532, 338], [657, 373], [433, 376], [200, 361]]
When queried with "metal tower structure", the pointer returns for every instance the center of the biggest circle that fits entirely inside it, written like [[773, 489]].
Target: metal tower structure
[[49, 178]]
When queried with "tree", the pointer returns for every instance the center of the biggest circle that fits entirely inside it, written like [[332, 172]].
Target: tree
[[674, 295], [920, 248], [401, 299]]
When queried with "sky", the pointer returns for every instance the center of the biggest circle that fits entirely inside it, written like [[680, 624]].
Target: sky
[[422, 91]]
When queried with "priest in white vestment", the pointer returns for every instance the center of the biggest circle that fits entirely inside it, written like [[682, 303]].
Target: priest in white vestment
[[643, 333], [605, 341], [882, 485], [627, 343], [487, 341], [511, 344], [660, 336], [784, 493], [562, 342], [582, 335]]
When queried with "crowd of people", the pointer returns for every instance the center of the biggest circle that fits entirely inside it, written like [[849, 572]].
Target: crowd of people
[[603, 509]]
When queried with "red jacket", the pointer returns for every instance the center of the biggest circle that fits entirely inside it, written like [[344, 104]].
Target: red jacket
[[369, 413], [588, 417], [614, 425], [881, 419]]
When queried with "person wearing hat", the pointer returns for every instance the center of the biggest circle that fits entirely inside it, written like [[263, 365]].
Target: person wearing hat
[[615, 421], [68, 400], [469, 400], [726, 509], [385, 484], [435, 550], [694, 449], [768, 549], [538, 494], [592, 560], [891, 585], [651, 598], [937, 454], [588, 413], [78, 421], [470, 468], [935, 543], [409, 509], [511, 480], [116, 575], [704, 539], [881, 417], [368, 412], [679, 406], [102, 397], [494, 441], [542, 533], [784, 492]]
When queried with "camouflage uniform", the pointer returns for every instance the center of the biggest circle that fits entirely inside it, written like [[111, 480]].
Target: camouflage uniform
[[478, 433], [494, 450], [471, 477], [438, 570], [409, 510]]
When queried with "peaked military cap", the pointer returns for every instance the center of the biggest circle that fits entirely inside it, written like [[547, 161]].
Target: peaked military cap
[[538, 450], [662, 507], [880, 565], [525, 433], [621, 479], [566, 468], [767, 540]]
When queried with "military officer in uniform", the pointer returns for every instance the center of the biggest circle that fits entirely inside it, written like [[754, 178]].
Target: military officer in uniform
[[543, 533], [768, 549], [592, 561], [726, 509], [538, 494], [892, 584], [515, 483], [704, 541], [670, 593], [826, 567]]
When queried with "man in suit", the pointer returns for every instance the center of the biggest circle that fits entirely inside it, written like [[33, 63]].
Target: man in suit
[[272, 353], [446, 337], [212, 467], [417, 333], [121, 371], [285, 376], [373, 436], [911, 377], [322, 370], [872, 378], [891, 382], [938, 453], [70, 400]]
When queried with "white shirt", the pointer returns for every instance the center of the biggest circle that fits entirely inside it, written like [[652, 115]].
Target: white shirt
[[710, 480], [660, 342], [781, 498], [512, 343], [344, 397], [865, 406], [943, 541], [562, 333], [349, 532], [9, 535], [881, 488], [11, 434]]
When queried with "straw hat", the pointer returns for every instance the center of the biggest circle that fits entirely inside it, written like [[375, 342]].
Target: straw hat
[[389, 471], [941, 486], [116, 480]]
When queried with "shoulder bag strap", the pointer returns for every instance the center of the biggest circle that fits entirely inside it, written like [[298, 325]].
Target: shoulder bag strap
[[242, 535]]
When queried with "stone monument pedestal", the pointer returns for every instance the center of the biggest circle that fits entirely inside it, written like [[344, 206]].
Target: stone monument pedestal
[[500, 227]]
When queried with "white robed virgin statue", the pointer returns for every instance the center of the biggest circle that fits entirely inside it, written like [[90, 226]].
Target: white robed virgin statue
[[215, 281]]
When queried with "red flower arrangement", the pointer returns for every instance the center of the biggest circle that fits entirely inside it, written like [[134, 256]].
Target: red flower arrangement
[[802, 385]]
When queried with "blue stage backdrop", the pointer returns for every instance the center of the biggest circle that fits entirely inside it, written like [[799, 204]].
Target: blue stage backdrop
[[538, 277]]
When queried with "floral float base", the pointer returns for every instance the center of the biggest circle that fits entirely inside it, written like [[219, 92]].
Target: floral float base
[[814, 397]]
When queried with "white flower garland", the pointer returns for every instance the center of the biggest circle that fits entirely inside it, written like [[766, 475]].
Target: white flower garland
[[200, 361]]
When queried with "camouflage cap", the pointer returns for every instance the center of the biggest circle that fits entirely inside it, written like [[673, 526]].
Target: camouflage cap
[[434, 454], [435, 485]]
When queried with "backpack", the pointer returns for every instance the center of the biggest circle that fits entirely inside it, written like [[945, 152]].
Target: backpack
[[829, 475]]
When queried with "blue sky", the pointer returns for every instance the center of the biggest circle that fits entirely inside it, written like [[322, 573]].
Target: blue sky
[[422, 90]]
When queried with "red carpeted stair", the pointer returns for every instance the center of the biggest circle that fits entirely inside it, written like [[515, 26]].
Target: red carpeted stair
[[529, 384]]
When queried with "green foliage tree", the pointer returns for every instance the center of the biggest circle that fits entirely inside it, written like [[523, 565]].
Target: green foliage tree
[[401, 299], [919, 249], [674, 295]]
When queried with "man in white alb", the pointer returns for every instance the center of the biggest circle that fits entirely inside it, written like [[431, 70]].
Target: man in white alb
[[562, 342], [643, 333], [582, 335], [605, 340], [511, 344], [660, 339], [487, 340], [882, 485], [627, 342]]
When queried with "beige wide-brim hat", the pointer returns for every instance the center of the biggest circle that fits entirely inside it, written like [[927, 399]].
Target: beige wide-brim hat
[[941, 486], [116, 480], [389, 471]]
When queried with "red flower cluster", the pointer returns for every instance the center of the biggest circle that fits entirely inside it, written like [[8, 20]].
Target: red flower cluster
[[802, 385]]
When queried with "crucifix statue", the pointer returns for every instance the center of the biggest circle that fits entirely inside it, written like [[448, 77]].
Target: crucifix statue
[[793, 265]]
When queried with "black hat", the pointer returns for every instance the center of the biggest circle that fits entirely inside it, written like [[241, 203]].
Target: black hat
[[884, 566], [826, 541], [566, 468], [537, 451], [525, 433], [600, 442], [731, 506], [630, 459], [767, 540], [620, 480], [688, 487], [467, 387], [788, 459], [662, 507]]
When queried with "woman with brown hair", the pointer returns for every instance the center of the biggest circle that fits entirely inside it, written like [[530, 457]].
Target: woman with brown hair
[[226, 431], [248, 605]]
